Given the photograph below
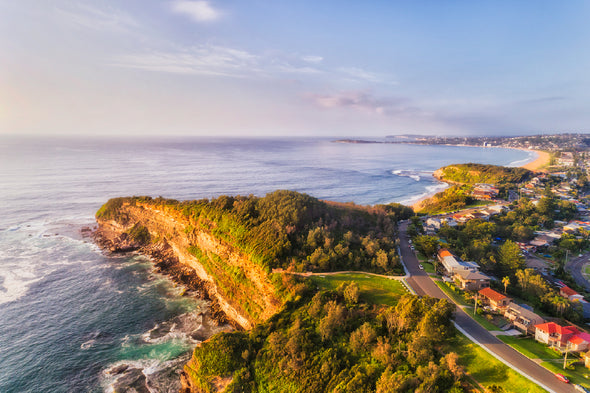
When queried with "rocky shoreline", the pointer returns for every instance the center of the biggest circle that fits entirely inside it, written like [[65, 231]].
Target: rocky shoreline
[[165, 262]]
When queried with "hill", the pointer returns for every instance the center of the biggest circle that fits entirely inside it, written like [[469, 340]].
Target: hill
[[482, 173]]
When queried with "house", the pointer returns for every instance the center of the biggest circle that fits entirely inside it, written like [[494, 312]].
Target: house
[[471, 280], [433, 222], [522, 318], [579, 342], [447, 259], [494, 299], [541, 240], [555, 335], [484, 191], [570, 294]]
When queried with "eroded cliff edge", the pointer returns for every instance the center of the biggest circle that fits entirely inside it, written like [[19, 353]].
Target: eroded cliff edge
[[169, 236]]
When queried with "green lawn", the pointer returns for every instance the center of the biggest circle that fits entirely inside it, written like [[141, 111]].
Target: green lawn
[[487, 370], [374, 289], [579, 374], [483, 321], [428, 267], [587, 269], [456, 296], [530, 348]]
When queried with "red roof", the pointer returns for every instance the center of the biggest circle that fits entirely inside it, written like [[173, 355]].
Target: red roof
[[444, 253], [568, 291], [576, 340], [491, 294], [552, 327]]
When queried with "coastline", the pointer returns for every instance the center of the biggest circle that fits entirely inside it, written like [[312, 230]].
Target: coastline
[[542, 160]]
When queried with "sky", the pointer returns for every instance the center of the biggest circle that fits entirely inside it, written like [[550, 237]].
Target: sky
[[294, 68]]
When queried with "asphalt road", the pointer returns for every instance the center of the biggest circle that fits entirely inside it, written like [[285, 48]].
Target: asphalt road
[[423, 285], [574, 266]]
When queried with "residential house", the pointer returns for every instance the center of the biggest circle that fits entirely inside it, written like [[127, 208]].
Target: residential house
[[471, 280], [522, 318], [541, 240], [484, 191], [433, 222], [562, 337], [494, 299], [570, 294]]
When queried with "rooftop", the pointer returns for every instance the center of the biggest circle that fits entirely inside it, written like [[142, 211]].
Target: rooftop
[[491, 294]]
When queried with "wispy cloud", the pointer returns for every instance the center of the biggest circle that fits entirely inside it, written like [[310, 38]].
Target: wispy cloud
[[312, 59], [201, 60], [92, 18], [361, 75], [199, 11], [363, 101]]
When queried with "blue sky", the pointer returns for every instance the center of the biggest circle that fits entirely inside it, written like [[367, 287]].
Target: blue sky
[[288, 68]]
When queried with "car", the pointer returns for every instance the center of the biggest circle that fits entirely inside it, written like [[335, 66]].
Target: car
[[421, 267], [562, 378]]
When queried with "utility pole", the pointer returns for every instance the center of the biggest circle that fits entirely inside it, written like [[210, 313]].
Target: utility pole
[[475, 308], [565, 357]]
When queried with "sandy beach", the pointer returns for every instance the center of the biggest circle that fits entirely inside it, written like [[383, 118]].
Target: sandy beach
[[541, 161]]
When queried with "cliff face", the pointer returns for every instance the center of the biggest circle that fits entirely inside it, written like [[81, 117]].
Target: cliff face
[[247, 300]]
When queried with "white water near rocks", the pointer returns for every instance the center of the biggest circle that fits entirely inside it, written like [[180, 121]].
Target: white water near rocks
[[69, 315]]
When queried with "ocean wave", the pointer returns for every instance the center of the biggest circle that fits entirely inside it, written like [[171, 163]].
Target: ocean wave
[[412, 174], [429, 191]]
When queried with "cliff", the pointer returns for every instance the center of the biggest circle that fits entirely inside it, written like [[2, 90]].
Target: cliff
[[481, 173], [228, 248], [172, 237]]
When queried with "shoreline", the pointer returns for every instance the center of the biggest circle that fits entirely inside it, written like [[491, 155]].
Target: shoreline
[[542, 160]]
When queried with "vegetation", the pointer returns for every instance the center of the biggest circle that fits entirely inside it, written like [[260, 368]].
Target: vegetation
[[373, 289], [326, 343], [489, 372], [481, 173], [289, 230], [452, 199]]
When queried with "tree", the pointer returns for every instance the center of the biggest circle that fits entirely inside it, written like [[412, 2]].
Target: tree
[[427, 245], [506, 282], [509, 256]]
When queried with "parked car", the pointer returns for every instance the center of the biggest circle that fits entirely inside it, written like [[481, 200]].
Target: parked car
[[562, 378], [421, 267]]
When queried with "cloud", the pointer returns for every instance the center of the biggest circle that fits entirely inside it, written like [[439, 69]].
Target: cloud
[[312, 59], [215, 60], [92, 18], [199, 11], [363, 101], [200, 60], [360, 75]]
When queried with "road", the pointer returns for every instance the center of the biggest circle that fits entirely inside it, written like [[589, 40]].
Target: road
[[423, 285], [574, 266]]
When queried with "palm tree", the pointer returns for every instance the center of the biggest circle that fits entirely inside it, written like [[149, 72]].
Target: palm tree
[[506, 282]]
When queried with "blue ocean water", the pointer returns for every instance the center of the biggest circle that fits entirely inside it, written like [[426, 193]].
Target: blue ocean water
[[69, 313]]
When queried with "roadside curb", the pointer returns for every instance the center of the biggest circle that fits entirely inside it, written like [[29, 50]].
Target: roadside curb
[[460, 329]]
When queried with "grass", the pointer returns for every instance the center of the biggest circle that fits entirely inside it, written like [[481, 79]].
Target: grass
[[428, 267], [483, 321], [530, 348], [374, 289], [576, 373], [456, 296], [587, 269], [487, 370]]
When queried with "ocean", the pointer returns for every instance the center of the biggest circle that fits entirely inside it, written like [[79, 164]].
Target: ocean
[[71, 315]]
